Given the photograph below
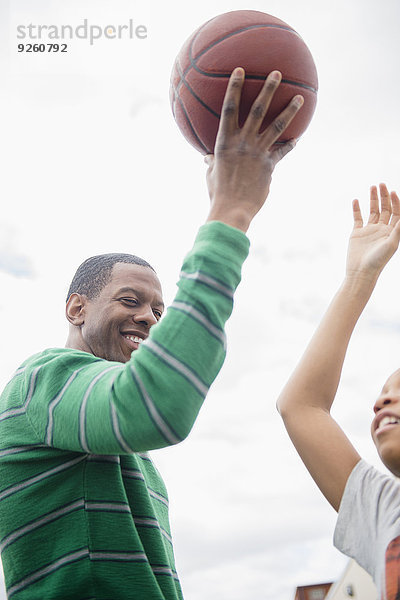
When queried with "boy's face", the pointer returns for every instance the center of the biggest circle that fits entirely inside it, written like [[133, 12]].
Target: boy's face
[[385, 427]]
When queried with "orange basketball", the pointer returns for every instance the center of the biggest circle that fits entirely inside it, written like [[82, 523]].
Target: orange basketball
[[256, 41]]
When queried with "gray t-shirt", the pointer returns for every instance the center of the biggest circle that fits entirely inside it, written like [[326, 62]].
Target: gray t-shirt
[[368, 527]]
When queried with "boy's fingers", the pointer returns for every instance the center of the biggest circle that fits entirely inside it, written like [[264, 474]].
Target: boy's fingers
[[358, 220], [386, 206], [395, 208], [373, 205]]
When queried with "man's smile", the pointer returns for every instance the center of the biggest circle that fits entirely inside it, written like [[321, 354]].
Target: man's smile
[[133, 339]]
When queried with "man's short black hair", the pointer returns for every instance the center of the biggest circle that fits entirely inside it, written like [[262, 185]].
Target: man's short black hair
[[95, 272]]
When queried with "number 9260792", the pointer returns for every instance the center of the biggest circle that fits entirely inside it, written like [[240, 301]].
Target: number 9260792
[[42, 47]]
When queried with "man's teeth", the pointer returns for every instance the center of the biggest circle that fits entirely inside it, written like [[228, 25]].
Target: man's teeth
[[134, 338], [388, 421]]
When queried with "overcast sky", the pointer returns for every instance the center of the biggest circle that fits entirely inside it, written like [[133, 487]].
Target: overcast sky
[[93, 162]]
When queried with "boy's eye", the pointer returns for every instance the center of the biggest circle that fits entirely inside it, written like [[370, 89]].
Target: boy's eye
[[157, 314]]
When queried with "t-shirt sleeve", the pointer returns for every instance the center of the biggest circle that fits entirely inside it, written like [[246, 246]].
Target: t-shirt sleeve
[[78, 402], [368, 515]]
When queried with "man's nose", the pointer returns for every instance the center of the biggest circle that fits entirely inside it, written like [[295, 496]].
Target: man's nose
[[145, 316]]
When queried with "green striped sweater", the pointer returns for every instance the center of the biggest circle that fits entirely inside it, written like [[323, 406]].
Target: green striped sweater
[[83, 510]]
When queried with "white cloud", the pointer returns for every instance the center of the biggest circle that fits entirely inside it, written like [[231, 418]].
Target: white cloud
[[12, 260]]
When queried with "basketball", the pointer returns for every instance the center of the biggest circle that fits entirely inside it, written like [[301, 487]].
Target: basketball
[[256, 41]]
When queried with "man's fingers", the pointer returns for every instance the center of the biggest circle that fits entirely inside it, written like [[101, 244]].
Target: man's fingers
[[278, 125], [279, 151], [230, 108], [357, 217], [209, 159], [262, 102]]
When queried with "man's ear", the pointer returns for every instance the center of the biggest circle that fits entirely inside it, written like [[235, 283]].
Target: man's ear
[[75, 309]]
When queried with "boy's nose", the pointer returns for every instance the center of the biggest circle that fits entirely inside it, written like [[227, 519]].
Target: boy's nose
[[384, 400]]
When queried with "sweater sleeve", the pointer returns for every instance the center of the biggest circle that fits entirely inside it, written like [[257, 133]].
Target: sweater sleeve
[[76, 401]]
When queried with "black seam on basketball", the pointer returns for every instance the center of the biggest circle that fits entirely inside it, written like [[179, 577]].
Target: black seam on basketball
[[190, 56], [256, 77], [193, 61], [225, 37], [232, 33], [190, 124], [218, 115], [227, 75], [213, 112]]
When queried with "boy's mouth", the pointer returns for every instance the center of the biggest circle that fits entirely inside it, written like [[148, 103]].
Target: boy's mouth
[[385, 422]]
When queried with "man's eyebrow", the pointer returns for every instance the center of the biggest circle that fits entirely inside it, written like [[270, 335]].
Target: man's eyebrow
[[131, 290], [127, 289]]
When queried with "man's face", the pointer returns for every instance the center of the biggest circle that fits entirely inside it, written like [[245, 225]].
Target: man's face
[[385, 428], [120, 317]]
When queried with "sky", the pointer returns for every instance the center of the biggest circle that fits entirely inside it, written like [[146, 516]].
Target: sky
[[92, 162]]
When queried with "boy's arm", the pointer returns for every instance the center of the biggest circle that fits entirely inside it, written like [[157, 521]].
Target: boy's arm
[[305, 401]]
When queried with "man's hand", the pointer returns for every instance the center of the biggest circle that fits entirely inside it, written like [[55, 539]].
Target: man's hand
[[372, 246], [239, 173]]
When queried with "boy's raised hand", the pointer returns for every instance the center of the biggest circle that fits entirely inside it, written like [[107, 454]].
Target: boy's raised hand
[[306, 400], [372, 245]]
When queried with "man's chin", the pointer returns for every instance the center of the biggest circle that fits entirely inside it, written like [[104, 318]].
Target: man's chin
[[122, 358]]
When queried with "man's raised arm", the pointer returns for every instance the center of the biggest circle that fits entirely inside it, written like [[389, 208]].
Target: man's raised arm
[[153, 399]]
